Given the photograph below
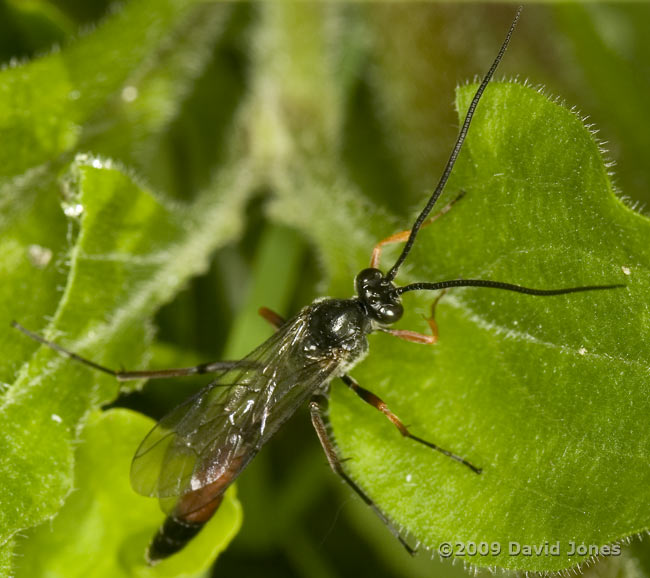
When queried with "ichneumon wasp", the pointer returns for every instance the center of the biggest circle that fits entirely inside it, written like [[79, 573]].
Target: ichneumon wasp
[[195, 452]]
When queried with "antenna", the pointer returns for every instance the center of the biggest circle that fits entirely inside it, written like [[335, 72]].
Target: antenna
[[454, 153], [498, 285]]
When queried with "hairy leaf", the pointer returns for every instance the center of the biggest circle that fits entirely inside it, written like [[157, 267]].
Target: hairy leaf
[[89, 253], [132, 253], [547, 394], [104, 527]]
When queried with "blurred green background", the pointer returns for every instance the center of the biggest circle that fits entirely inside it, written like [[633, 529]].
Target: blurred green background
[[398, 67]]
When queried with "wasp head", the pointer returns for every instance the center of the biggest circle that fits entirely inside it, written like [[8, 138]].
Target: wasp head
[[379, 296]]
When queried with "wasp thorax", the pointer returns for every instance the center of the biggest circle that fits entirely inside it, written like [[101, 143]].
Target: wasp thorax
[[379, 296], [339, 323]]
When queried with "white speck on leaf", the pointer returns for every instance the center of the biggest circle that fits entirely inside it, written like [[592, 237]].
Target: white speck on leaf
[[129, 93], [39, 256], [73, 210]]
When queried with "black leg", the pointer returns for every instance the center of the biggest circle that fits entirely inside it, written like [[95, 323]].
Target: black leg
[[317, 410], [213, 367], [376, 402]]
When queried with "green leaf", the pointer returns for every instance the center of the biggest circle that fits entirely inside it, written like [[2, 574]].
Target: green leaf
[[31, 220], [632, 562], [302, 159], [610, 43], [42, 124], [548, 395], [6, 552], [29, 27], [545, 394], [104, 527], [134, 123], [86, 238], [132, 253]]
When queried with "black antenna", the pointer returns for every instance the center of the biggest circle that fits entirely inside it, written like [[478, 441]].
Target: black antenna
[[454, 153], [498, 285]]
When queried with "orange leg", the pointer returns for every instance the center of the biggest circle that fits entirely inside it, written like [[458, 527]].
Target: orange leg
[[414, 336], [403, 236], [272, 317], [380, 405]]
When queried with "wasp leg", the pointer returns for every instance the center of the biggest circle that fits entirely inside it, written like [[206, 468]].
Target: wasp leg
[[403, 236], [272, 317], [379, 404], [413, 336], [318, 419], [416, 337], [213, 367]]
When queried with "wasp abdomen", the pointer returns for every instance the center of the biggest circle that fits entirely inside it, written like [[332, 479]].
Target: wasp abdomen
[[172, 537], [193, 510]]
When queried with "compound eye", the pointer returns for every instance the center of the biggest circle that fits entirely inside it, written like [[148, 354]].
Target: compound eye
[[390, 313], [365, 278]]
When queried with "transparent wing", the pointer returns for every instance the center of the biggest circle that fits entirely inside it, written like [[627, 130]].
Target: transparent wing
[[214, 434]]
